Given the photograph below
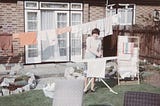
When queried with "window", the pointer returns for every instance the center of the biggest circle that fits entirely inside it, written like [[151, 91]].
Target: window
[[126, 13], [32, 20], [32, 24], [51, 5], [62, 21], [156, 15], [76, 6], [31, 5], [76, 38], [50, 15]]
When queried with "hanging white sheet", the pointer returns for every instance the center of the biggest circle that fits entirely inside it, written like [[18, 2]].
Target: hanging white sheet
[[105, 26], [49, 45]]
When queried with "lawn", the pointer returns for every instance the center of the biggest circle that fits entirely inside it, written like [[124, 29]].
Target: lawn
[[100, 97]]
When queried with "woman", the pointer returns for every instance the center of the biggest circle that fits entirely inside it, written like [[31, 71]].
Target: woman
[[93, 50]]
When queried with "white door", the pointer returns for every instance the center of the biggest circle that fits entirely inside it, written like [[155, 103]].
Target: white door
[[32, 23], [62, 20]]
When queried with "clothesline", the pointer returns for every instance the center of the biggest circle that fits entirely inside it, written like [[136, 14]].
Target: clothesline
[[105, 26]]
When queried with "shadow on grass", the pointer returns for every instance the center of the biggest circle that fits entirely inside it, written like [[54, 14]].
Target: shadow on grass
[[111, 82]]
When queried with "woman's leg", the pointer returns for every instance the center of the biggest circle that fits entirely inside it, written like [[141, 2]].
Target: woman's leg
[[92, 84], [85, 84]]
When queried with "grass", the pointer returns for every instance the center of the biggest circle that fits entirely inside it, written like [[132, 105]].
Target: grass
[[31, 98], [102, 96]]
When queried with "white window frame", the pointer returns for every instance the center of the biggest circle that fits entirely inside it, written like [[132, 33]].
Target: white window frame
[[79, 12], [38, 48], [54, 3], [36, 7], [76, 57], [63, 58], [38, 20], [76, 4]]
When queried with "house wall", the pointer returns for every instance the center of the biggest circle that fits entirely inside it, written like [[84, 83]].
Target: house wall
[[96, 12], [12, 21], [145, 29], [12, 17], [91, 12], [145, 10]]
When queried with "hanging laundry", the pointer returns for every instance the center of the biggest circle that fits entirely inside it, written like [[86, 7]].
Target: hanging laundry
[[108, 29], [101, 24], [115, 19], [42, 35], [49, 44], [26, 38], [77, 28], [5, 41], [51, 37], [63, 30], [128, 47], [48, 35], [105, 26]]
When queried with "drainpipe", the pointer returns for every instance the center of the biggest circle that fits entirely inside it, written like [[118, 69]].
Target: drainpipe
[[106, 7]]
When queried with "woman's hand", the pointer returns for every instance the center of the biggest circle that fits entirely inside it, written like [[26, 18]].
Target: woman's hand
[[99, 54]]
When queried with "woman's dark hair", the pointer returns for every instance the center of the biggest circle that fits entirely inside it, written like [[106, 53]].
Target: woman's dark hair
[[95, 31]]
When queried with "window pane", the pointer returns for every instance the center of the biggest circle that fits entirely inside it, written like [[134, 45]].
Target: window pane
[[32, 53], [31, 4], [76, 51], [32, 26], [122, 16], [62, 43], [62, 16], [47, 21], [76, 44], [76, 18], [62, 38], [63, 52], [54, 5], [32, 16], [61, 20], [32, 46], [76, 6], [129, 16]]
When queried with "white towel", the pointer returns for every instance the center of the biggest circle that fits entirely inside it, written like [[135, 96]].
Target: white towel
[[109, 29], [51, 37]]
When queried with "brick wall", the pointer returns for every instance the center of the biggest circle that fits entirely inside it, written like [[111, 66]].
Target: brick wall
[[145, 11], [96, 12], [91, 13], [12, 21], [12, 17], [85, 13]]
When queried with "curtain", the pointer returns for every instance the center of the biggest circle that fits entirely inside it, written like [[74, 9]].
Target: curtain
[[47, 20], [50, 50]]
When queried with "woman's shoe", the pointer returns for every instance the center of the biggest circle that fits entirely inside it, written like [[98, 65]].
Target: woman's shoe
[[92, 90], [86, 91]]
